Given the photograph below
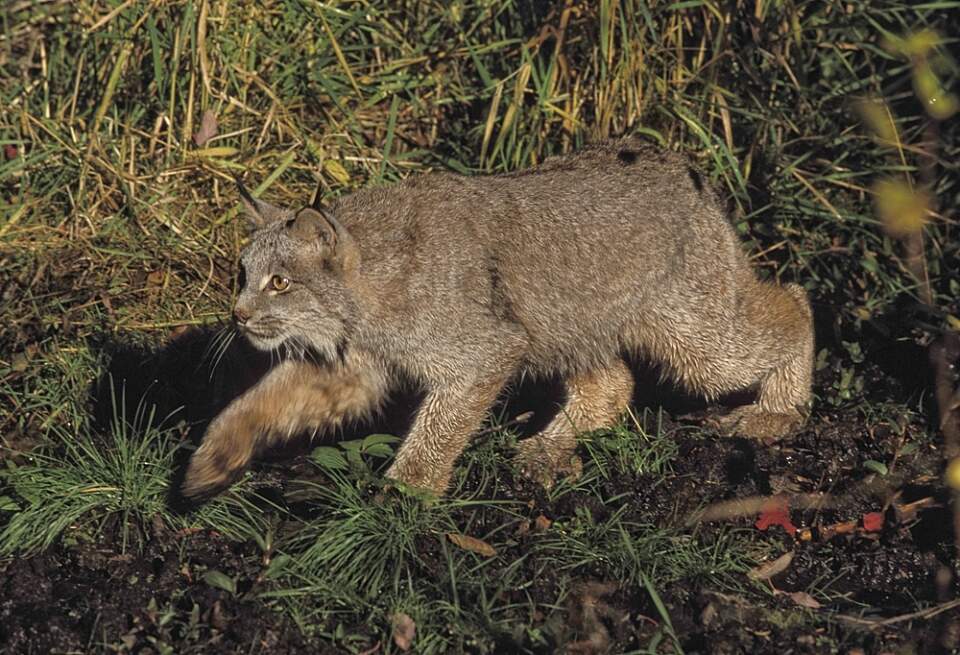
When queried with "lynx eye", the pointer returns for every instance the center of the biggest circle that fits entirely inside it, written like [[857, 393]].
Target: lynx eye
[[279, 283]]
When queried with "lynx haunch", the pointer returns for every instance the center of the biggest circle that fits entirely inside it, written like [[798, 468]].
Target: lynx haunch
[[461, 283]]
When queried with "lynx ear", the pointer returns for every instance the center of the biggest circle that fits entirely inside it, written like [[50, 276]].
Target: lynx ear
[[319, 226], [259, 213]]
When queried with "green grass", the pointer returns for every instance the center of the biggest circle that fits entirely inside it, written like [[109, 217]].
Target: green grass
[[116, 226], [368, 555], [630, 448], [83, 481]]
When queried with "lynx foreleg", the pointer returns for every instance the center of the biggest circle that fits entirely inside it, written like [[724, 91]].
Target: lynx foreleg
[[442, 429], [290, 399]]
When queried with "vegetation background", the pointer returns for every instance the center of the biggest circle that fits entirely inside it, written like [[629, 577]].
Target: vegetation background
[[830, 127]]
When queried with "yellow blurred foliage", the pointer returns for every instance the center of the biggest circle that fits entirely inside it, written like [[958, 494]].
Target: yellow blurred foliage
[[953, 474], [916, 44], [939, 103], [876, 114], [901, 208], [920, 43], [919, 47]]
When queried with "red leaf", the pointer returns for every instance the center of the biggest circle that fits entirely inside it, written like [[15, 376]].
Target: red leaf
[[776, 512], [873, 522]]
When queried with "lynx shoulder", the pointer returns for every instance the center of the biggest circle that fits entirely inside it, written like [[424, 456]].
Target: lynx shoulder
[[460, 283]]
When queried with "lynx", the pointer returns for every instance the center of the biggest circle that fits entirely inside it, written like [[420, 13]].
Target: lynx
[[461, 283]]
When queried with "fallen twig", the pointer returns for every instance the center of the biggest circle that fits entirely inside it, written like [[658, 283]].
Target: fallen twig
[[923, 614], [751, 505]]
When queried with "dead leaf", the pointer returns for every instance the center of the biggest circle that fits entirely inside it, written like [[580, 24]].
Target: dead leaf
[[472, 544], [105, 299], [208, 128], [336, 171], [769, 569], [804, 599], [21, 360], [542, 523], [404, 630]]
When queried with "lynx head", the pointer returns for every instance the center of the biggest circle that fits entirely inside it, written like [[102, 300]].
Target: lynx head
[[294, 276]]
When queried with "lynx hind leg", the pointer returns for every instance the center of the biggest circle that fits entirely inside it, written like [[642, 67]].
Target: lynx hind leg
[[291, 398], [781, 324], [594, 400]]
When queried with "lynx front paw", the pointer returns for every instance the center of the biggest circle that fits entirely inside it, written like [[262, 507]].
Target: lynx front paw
[[751, 421], [205, 477], [215, 465], [543, 467], [420, 477]]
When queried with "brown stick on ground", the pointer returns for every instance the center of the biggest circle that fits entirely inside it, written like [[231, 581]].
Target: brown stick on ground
[[944, 356], [944, 352]]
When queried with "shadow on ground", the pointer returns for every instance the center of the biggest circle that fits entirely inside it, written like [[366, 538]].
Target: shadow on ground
[[192, 377]]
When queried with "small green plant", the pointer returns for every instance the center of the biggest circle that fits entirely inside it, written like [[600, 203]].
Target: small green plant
[[220, 580], [848, 383], [359, 455]]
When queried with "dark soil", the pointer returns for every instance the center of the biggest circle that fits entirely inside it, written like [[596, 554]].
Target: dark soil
[[93, 599], [82, 598]]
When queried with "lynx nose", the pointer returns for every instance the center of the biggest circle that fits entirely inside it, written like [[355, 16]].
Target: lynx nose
[[240, 315]]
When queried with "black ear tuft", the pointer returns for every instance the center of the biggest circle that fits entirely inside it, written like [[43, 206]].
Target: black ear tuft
[[259, 213], [317, 202], [244, 194]]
